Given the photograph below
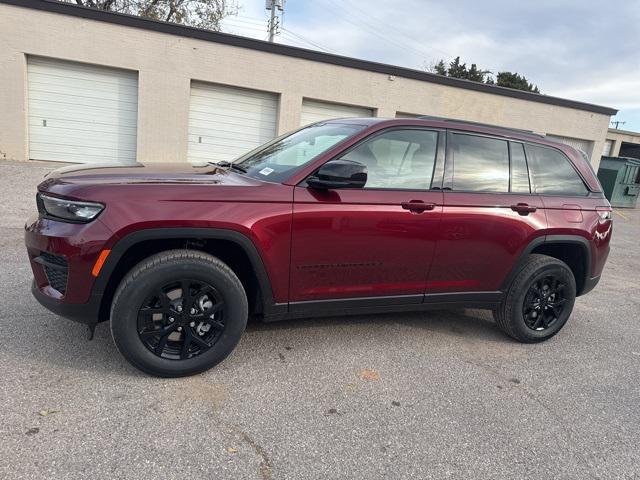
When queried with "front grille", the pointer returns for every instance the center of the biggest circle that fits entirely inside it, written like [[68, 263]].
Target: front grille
[[56, 269]]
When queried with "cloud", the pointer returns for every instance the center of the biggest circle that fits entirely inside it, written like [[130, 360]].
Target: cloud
[[580, 49]]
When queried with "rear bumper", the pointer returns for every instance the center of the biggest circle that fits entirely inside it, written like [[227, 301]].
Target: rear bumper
[[86, 313], [589, 284]]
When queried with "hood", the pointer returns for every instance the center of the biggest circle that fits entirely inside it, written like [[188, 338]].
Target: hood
[[155, 180], [137, 173]]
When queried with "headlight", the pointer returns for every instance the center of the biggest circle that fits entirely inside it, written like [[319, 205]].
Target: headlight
[[69, 210]]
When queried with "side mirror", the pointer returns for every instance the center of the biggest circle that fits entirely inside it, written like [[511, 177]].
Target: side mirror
[[339, 174]]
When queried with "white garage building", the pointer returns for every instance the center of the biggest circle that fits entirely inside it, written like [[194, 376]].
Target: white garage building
[[82, 85]]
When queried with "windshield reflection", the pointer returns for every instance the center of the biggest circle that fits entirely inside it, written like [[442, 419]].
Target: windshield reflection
[[275, 161]]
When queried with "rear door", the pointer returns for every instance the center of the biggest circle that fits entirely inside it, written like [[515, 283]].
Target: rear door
[[489, 214], [377, 241], [570, 208]]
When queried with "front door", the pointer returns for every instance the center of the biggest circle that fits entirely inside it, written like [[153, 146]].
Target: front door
[[377, 241]]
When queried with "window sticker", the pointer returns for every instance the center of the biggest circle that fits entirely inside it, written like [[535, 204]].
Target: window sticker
[[266, 171]]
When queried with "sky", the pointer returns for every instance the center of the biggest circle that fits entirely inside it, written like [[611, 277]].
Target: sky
[[578, 49]]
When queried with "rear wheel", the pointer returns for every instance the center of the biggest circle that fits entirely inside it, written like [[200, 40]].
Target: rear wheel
[[178, 313], [539, 300]]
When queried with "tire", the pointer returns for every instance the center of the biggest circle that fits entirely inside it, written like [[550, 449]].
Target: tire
[[528, 304], [198, 281]]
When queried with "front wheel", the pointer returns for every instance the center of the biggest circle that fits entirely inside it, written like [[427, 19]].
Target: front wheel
[[539, 300], [178, 313]]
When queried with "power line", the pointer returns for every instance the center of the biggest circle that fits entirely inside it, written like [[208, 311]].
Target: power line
[[250, 19], [291, 40], [304, 39], [375, 31], [238, 23], [247, 20], [252, 23], [246, 27], [367, 26], [390, 27], [370, 28]]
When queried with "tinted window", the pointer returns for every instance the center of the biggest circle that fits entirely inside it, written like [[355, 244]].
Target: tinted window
[[519, 172], [552, 173], [480, 164], [399, 159]]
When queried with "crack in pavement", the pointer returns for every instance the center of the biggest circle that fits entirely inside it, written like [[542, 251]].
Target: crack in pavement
[[266, 467]]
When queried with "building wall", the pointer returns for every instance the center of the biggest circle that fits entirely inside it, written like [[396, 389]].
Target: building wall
[[166, 65], [619, 136]]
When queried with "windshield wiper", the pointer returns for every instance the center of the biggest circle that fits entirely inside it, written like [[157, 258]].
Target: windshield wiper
[[227, 164]]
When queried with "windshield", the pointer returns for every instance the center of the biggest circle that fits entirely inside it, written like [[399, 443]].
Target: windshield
[[275, 161]]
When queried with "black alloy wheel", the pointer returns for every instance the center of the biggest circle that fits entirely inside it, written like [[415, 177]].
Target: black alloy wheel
[[178, 313], [539, 300], [181, 319], [544, 303]]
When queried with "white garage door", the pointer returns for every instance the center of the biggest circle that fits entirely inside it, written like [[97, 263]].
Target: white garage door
[[81, 113], [225, 122], [585, 145], [315, 111]]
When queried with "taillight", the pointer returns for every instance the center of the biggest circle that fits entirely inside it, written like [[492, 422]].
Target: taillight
[[604, 212]]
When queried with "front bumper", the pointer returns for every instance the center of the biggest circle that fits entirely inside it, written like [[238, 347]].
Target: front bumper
[[87, 313], [61, 257]]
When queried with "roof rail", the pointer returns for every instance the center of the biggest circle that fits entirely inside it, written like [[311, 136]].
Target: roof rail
[[480, 124]]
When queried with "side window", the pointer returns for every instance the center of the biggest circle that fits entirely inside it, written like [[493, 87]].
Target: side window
[[519, 171], [398, 159], [552, 172], [480, 164]]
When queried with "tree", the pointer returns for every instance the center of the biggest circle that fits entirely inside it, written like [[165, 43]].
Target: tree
[[206, 14], [440, 68], [476, 75], [457, 69], [513, 80]]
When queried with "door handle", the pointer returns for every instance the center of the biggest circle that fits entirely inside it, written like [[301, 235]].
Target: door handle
[[417, 206], [523, 208]]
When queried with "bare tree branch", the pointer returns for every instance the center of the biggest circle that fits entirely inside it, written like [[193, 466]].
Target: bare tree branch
[[206, 14], [150, 5]]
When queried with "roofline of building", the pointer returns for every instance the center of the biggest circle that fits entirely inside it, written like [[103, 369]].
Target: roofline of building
[[64, 8], [624, 132]]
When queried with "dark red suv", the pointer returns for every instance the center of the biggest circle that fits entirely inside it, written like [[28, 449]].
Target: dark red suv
[[340, 217]]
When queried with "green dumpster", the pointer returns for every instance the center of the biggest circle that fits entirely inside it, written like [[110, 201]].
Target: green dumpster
[[620, 179]]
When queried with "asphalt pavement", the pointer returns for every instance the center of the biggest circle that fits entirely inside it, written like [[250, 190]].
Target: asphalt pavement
[[421, 395]]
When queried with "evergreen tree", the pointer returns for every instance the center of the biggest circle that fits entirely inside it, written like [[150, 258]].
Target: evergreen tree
[[458, 69], [514, 80]]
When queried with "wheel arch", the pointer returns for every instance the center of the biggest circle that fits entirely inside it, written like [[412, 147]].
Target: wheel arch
[[562, 247], [141, 244]]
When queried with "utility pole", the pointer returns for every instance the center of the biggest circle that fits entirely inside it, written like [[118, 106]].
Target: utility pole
[[274, 22], [616, 123]]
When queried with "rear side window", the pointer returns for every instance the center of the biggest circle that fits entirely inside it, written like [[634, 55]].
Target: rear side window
[[552, 173], [480, 164]]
